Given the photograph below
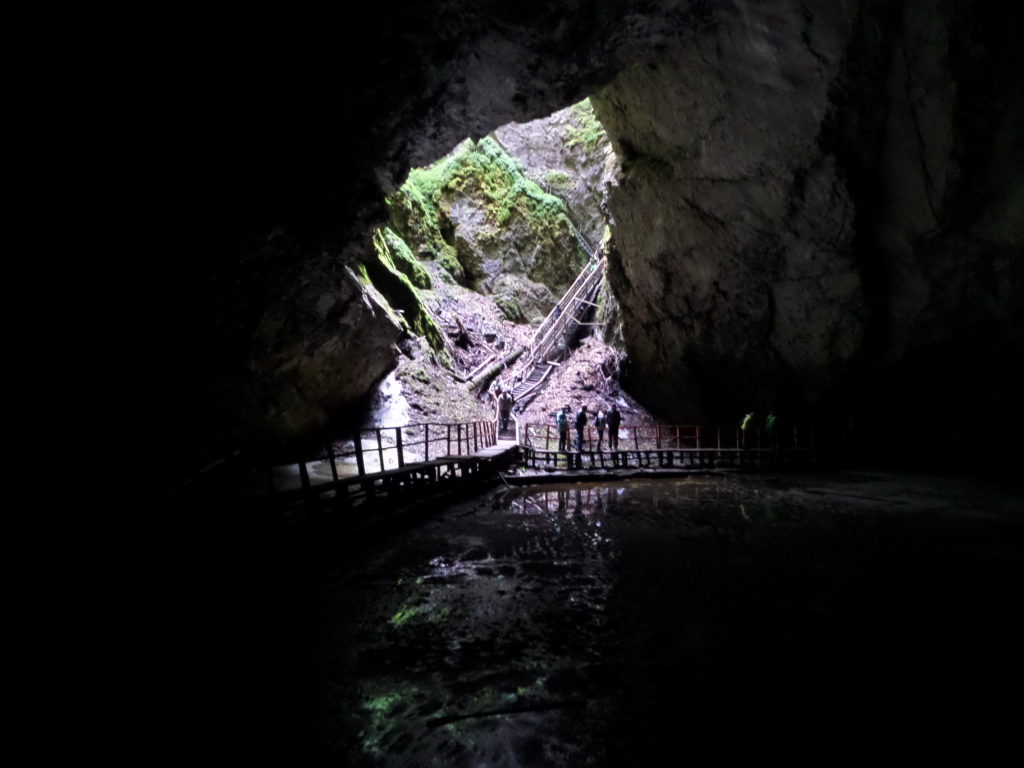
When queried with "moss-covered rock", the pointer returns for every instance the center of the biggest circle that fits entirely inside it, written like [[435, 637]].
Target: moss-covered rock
[[477, 206], [522, 300], [394, 251], [400, 292]]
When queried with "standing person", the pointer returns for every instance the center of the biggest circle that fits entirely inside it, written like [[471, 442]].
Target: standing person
[[599, 421], [505, 401], [769, 425], [614, 419], [581, 424], [748, 421], [562, 420]]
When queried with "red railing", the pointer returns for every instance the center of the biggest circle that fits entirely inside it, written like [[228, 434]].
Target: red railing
[[671, 436]]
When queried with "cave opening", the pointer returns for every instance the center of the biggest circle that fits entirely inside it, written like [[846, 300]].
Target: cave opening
[[476, 255]]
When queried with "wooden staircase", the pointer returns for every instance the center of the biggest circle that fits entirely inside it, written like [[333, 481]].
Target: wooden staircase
[[551, 341]]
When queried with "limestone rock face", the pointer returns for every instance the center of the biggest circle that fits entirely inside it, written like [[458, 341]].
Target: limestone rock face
[[569, 155], [477, 203], [800, 215], [318, 349], [735, 272]]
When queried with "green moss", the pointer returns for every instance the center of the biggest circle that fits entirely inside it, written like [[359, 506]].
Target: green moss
[[558, 179], [449, 259], [587, 131], [402, 295], [510, 308], [380, 712], [483, 171], [393, 250], [361, 273], [402, 616]]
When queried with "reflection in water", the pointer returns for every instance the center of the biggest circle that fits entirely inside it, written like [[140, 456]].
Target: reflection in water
[[607, 624]]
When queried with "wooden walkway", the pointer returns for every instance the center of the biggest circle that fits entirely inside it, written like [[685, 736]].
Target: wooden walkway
[[421, 478], [688, 459], [377, 467]]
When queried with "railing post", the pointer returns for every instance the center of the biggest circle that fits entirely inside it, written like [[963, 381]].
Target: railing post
[[401, 452], [458, 435], [330, 456], [636, 438], [426, 442], [380, 448], [448, 442], [304, 478], [476, 446], [357, 441]]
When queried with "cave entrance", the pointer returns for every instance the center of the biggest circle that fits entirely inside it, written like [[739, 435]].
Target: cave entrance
[[477, 256]]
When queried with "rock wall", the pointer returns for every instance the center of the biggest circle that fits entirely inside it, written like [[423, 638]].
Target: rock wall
[[317, 350], [486, 222], [569, 155], [735, 269], [800, 219]]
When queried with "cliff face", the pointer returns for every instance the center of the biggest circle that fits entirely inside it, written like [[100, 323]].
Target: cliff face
[[800, 217], [568, 154]]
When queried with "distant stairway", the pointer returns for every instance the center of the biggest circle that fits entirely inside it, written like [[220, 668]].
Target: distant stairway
[[551, 341]]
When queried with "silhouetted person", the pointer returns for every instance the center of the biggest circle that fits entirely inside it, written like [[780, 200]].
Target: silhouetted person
[[614, 419], [505, 401], [562, 420], [581, 424], [599, 421]]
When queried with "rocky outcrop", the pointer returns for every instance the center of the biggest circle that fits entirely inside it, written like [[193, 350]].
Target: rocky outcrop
[[569, 155], [319, 349], [476, 208], [799, 216]]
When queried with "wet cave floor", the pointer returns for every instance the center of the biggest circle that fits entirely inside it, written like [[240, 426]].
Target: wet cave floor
[[820, 618]]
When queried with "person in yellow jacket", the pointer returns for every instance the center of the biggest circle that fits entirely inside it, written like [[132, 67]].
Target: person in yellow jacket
[[747, 423]]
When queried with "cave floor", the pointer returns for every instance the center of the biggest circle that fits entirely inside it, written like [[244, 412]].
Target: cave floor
[[853, 615]]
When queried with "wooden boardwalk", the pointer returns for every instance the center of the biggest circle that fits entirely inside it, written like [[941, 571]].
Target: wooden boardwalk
[[539, 461], [379, 467], [420, 478]]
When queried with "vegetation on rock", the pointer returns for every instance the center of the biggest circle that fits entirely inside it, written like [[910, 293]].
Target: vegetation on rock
[[587, 130], [394, 283], [518, 220]]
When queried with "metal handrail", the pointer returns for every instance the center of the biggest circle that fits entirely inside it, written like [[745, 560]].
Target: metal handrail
[[567, 307]]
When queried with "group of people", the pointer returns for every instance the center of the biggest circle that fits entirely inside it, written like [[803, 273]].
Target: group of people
[[748, 424], [609, 420]]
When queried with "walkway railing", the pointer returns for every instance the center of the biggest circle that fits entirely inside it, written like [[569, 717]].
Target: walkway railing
[[679, 437], [378, 449], [579, 293]]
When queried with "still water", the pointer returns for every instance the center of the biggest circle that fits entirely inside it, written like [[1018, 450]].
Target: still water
[[655, 622]]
